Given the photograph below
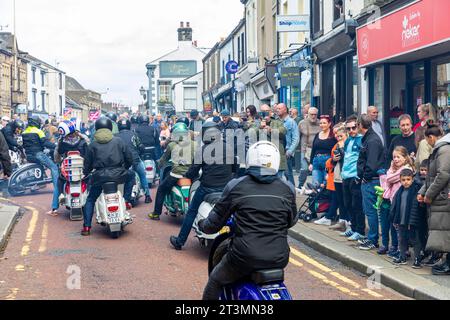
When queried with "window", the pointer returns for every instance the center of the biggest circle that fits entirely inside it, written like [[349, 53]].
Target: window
[[338, 9], [43, 101], [165, 92], [42, 78], [190, 98], [61, 104], [33, 70], [317, 18], [60, 81], [34, 97]]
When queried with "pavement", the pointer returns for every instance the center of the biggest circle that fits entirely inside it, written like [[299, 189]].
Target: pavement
[[9, 215], [417, 284]]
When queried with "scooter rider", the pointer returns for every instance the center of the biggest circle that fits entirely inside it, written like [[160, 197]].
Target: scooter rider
[[34, 143], [217, 171], [5, 159], [109, 158], [113, 117], [147, 134], [10, 132], [70, 140], [264, 209], [181, 151], [133, 142]]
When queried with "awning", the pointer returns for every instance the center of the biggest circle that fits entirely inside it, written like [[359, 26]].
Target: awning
[[418, 30]]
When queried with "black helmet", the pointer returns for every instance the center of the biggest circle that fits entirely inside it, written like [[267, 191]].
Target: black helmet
[[103, 123], [124, 124], [18, 124], [183, 120], [34, 121], [211, 132], [144, 119], [112, 116], [134, 119]]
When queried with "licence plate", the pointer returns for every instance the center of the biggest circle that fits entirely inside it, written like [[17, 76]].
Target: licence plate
[[113, 218], [76, 203]]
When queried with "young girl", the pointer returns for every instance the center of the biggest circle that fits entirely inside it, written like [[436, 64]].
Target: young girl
[[391, 183]]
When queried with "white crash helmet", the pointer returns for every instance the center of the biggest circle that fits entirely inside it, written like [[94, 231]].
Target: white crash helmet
[[264, 155]]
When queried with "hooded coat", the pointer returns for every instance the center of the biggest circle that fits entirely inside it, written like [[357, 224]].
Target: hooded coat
[[108, 157], [437, 188]]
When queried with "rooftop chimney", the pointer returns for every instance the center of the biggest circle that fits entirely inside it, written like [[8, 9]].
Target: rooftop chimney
[[185, 34]]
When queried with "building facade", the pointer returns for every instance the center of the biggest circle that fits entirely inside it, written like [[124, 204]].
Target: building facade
[[89, 101], [178, 65]]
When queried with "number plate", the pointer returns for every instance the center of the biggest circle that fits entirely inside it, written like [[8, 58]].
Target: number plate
[[113, 218], [75, 203]]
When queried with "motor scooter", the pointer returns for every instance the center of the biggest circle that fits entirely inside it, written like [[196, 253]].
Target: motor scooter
[[177, 201], [111, 211], [137, 191], [260, 285], [148, 156], [75, 187]]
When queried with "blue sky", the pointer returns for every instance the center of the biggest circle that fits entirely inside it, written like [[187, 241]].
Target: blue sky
[[106, 43]]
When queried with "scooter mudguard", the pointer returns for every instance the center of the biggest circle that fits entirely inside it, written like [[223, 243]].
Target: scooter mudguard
[[30, 175], [249, 291]]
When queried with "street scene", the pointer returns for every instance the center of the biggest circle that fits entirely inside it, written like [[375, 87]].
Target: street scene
[[274, 150]]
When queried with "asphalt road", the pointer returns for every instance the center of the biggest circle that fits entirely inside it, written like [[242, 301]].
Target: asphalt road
[[47, 258]]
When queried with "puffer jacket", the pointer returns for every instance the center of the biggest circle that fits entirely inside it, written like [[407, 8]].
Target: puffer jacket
[[437, 188], [109, 159], [391, 182], [264, 209]]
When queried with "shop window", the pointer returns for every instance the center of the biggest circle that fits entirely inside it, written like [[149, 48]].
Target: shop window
[[355, 84], [442, 93], [306, 88], [329, 89], [378, 90], [398, 97]]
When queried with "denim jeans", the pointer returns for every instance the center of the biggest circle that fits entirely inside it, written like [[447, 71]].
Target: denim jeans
[[289, 173], [387, 226], [353, 203], [188, 221], [298, 161], [319, 172], [44, 160], [369, 199], [304, 171], [337, 202], [140, 170]]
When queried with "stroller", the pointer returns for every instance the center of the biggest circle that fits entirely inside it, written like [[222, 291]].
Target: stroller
[[318, 201]]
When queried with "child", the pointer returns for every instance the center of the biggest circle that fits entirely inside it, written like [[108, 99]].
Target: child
[[391, 183], [409, 218]]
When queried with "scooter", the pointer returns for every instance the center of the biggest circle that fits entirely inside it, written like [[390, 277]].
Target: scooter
[[260, 285], [203, 212], [111, 211], [147, 155], [28, 177], [177, 201], [75, 188], [137, 192]]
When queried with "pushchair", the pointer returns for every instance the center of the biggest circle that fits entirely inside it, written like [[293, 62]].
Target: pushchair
[[317, 201]]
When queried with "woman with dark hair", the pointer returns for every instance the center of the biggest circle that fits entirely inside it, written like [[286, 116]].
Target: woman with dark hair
[[435, 193], [323, 143], [252, 113]]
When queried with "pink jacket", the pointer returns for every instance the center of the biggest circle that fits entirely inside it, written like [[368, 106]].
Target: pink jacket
[[391, 182]]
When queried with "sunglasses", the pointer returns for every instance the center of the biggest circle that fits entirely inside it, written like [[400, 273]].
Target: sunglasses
[[352, 128]]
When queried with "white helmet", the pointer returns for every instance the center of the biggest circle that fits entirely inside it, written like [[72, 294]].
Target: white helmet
[[264, 155]]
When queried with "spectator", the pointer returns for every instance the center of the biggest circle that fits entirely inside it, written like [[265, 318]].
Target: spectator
[[407, 216], [406, 139], [196, 122], [252, 117], [377, 126], [390, 184], [164, 135], [227, 121], [308, 128], [5, 121], [435, 194], [351, 184], [293, 113], [371, 164], [424, 113], [305, 111], [292, 140], [334, 182], [321, 150]]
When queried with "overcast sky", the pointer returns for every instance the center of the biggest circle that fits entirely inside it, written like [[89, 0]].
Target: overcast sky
[[106, 43]]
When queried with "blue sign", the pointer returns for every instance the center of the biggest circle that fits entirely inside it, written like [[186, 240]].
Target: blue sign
[[232, 67]]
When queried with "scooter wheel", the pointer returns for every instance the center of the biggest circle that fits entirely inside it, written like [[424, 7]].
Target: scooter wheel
[[115, 234]]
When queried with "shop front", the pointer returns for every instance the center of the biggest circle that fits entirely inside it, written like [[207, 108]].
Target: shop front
[[264, 86], [225, 98], [296, 81], [409, 65]]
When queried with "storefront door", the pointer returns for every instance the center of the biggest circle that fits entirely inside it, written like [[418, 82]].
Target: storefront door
[[416, 88]]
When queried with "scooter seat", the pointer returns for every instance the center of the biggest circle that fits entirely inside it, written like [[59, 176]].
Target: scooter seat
[[267, 276], [110, 187], [213, 198], [184, 182]]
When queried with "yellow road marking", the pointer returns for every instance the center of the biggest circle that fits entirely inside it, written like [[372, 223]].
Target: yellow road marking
[[13, 294], [295, 263], [20, 267], [30, 231], [332, 283], [333, 273], [43, 246]]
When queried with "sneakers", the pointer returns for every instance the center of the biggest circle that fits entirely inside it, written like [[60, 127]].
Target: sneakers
[[417, 264], [400, 261], [148, 199], [369, 245], [323, 222], [382, 251], [174, 243], [433, 260], [86, 231], [347, 233], [355, 237], [363, 240], [154, 216], [340, 226], [394, 255]]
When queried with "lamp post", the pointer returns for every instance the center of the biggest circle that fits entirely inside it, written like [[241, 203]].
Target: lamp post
[[150, 74], [143, 94]]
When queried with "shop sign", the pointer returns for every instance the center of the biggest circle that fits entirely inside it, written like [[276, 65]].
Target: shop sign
[[417, 26], [293, 23], [290, 77], [232, 67]]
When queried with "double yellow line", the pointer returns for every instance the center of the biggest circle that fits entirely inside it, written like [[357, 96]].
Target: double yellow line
[[322, 276]]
